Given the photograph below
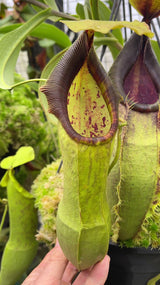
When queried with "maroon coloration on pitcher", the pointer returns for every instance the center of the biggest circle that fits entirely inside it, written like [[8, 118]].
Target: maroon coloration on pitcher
[[139, 85], [136, 75], [58, 85]]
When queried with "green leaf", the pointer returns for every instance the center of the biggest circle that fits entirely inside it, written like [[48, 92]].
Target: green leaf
[[104, 15], [104, 11], [43, 31], [156, 49], [10, 45], [104, 41], [4, 180], [113, 49], [51, 32], [80, 11], [22, 156], [45, 43], [105, 26], [28, 12], [9, 28], [36, 8], [94, 9], [52, 4], [118, 35], [87, 10], [6, 20]]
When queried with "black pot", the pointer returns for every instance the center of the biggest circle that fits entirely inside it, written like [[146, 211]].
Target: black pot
[[133, 266]]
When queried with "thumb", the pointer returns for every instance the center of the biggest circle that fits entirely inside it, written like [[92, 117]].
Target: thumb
[[95, 276]]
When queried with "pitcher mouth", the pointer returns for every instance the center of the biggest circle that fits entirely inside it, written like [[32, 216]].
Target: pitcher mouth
[[135, 75], [57, 90], [142, 93]]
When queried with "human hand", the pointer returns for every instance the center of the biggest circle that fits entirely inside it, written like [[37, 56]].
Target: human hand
[[55, 269]]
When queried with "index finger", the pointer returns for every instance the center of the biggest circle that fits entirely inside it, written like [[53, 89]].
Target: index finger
[[49, 270]]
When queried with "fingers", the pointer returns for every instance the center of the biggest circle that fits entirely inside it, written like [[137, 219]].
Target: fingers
[[55, 269], [100, 272], [95, 276], [50, 270], [69, 273]]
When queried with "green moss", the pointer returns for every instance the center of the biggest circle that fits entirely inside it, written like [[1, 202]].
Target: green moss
[[149, 234], [22, 122], [47, 190]]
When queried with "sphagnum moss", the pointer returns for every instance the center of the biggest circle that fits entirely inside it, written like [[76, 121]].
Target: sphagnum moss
[[48, 190]]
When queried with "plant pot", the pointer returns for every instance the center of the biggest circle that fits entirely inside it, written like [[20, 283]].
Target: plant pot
[[133, 266]]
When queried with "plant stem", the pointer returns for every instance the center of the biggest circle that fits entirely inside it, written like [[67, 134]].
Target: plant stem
[[28, 81], [3, 217], [53, 12], [116, 43]]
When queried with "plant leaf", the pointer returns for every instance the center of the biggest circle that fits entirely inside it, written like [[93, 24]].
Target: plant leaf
[[51, 32], [104, 41], [9, 28], [104, 11], [43, 31], [22, 156], [105, 26], [52, 4], [148, 10], [80, 11], [156, 49], [4, 180], [104, 15], [10, 45], [94, 9], [87, 10]]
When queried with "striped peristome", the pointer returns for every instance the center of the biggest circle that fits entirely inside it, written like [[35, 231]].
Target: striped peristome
[[59, 82]]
